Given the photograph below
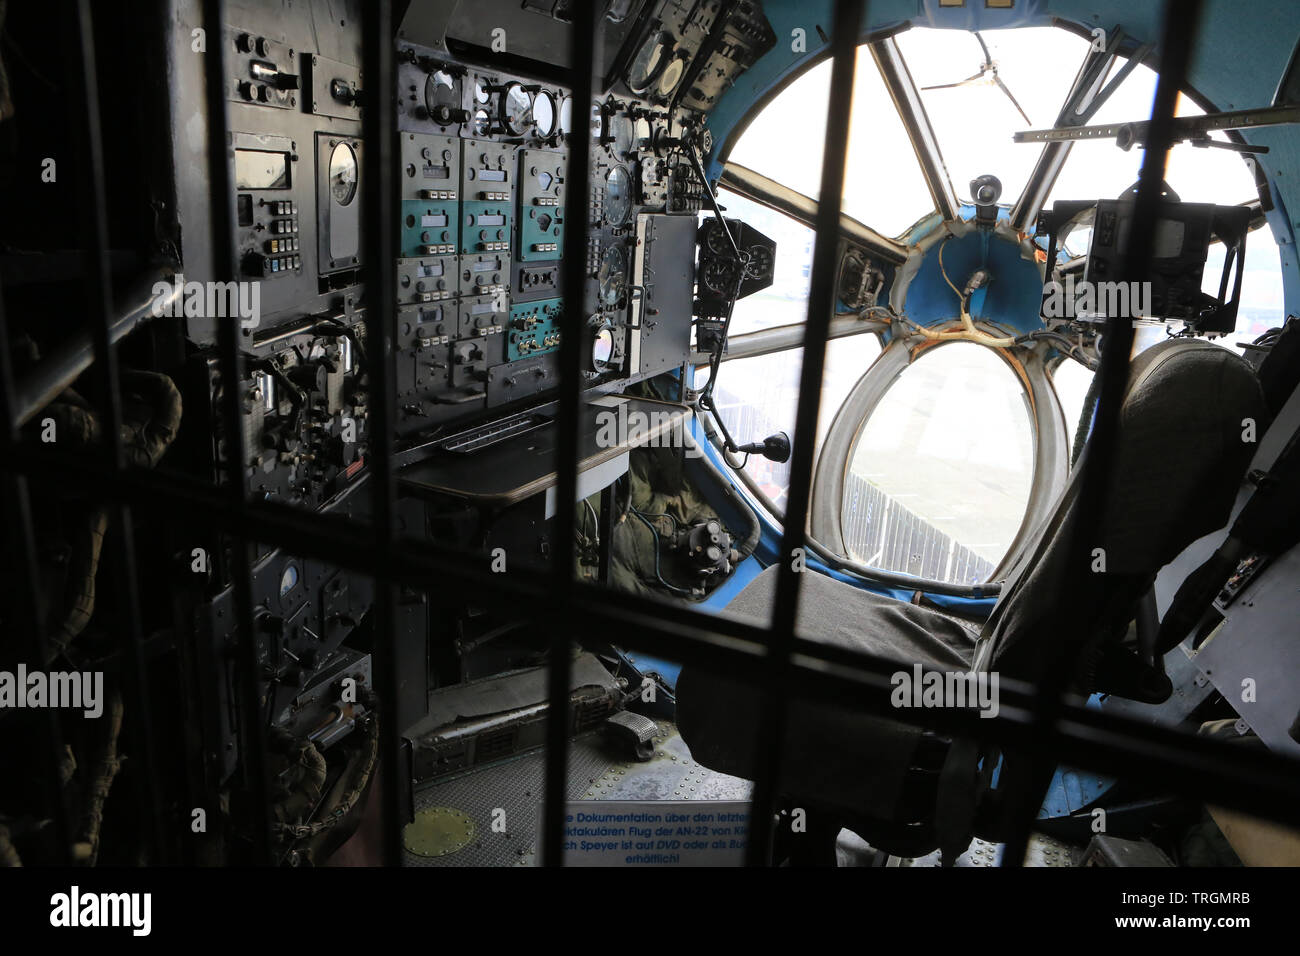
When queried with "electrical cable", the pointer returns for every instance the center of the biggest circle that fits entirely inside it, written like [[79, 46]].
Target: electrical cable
[[677, 525], [1071, 349], [658, 575], [627, 503], [968, 332]]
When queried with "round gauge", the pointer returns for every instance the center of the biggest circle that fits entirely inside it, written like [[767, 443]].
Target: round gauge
[[516, 109], [641, 133], [482, 123], [566, 115], [602, 349], [649, 61], [716, 239], [544, 114], [760, 263], [440, 97], [623, 131], [850, 280], [612, 277], [343, 174], [671, 76], [618, 196], [719, 276], [481, 91], [288, 579]]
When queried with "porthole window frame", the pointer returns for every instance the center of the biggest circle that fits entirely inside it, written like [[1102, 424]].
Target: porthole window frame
[[1049, 434]]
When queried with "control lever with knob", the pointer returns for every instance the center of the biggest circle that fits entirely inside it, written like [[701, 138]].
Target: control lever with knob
[[773, 447], [345, 92]]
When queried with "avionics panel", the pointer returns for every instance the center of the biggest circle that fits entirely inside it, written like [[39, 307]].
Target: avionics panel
[[482, 158], [484, 173]]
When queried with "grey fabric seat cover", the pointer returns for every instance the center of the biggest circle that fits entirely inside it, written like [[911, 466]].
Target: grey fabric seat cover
[[1179, 462], [827, 747]]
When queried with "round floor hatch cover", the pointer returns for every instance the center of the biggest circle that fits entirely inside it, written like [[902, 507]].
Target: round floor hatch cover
[[438, 831]]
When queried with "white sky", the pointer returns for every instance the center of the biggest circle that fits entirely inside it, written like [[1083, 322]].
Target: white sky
[[974, 125]]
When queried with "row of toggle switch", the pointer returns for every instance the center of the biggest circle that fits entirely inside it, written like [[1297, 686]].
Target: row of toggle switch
[[281, 264]]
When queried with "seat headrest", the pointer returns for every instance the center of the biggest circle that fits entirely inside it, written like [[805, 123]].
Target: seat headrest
[[1192, 414]]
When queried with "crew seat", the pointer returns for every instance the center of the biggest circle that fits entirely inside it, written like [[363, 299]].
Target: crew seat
[[1180, 458]]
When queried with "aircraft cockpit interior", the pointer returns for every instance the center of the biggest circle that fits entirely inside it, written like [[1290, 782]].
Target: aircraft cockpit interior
[[650, 434]]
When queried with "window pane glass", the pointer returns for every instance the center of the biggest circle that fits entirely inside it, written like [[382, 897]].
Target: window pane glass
[[941, 474], [974, 122], [1098, 169], [883, 187], [758, 397], [1072, 380], [1262, 306], [784, 140]]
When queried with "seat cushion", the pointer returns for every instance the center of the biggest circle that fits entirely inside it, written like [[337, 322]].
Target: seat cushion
[[853, 761]]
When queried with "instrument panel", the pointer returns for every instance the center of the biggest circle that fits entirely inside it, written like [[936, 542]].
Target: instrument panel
[[482, 155], [485, 153]]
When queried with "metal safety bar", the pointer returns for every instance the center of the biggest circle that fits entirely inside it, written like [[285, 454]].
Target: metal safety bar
[[845, 26], [106, 377], [574, 271], [252, 752], [381, 197], [1178, 33]]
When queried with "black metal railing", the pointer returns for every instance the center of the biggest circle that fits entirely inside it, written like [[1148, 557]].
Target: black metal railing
[[1037, 720]]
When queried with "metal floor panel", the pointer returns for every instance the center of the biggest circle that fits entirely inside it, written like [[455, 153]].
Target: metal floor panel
[[670, 775], [516, 787], [1042, 851], [597, 771]]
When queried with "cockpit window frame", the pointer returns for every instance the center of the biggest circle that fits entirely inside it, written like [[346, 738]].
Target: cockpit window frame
[[898, 81], [907, 104]]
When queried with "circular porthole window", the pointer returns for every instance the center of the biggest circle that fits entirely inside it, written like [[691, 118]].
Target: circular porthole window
[[940, 473]]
